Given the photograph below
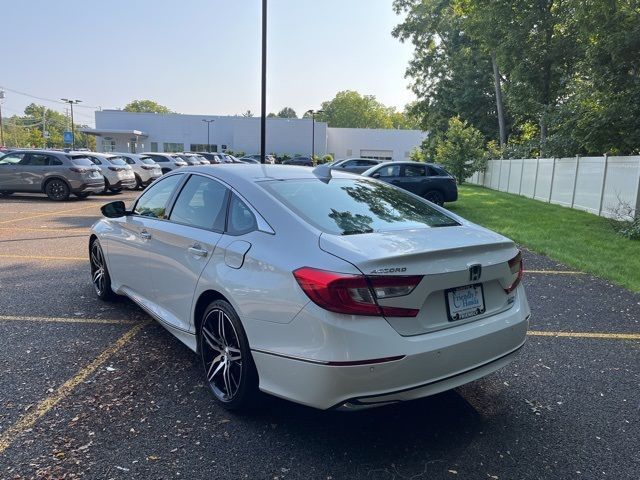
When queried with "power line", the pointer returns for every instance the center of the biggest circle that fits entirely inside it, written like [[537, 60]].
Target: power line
[[45, 99]]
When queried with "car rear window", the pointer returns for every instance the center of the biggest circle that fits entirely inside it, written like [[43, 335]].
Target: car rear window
[[350, 207], [117, 161], [81, 161], [147, 160]]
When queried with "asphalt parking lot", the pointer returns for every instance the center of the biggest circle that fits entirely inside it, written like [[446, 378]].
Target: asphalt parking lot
[[95, 390]]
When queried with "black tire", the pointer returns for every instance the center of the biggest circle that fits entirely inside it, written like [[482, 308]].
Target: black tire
[[82, 194], [228, 365], [106, 186], [165, 170], [5, 194], [435, 196], [100, 278], [115, 190], [139, 182], [57, 190]]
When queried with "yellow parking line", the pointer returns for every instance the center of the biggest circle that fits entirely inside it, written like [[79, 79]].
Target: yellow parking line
[[17, 318], [44, 229], [601, 335], [42, 257], [554, 272], [47, 214], [27, 421]]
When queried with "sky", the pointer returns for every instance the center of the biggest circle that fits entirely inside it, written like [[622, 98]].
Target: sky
[[199, 56]]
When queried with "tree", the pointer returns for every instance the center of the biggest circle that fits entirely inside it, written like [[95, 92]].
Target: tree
[[349, 109], [247, 114], [146, 106], [272, 115], [287, 112], [461, 150], [451, 75]]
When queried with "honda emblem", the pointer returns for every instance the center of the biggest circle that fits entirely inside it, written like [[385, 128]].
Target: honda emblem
[[474, 272]]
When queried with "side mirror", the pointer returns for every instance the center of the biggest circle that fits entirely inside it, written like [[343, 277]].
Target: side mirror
[[375, 175], [114, 209]]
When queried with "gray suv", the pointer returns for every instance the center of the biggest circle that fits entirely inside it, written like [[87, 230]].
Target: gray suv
[[57, 174]]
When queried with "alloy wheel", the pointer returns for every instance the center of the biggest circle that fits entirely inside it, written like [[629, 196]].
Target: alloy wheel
[[98, 272], [57, 190], [221, 355]]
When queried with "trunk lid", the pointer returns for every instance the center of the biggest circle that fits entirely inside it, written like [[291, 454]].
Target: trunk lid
[[443, 256]]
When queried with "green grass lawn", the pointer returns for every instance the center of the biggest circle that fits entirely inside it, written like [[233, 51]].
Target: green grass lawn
[[578, 239]]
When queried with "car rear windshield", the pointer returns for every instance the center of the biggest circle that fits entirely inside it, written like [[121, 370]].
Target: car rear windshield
[[350, 207], [117, 161], [147, 160], [81, 161]]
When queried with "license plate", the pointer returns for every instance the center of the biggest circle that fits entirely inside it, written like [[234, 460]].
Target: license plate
[[465, 302]]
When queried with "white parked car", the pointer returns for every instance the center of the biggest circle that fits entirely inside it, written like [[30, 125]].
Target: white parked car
[[167, 161], [117, 174], [327, 289], [145, 169]]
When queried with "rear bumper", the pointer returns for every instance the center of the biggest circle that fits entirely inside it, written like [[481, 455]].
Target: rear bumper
[[125, 183], [94, 187], [431, 363]]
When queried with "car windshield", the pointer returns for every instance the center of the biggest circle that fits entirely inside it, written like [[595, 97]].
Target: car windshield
[[348, 207], [147, 160], [81, 161], [117, 161]]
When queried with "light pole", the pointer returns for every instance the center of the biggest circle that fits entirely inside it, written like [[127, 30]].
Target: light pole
[[73, 135], [263, 119], [209, 122], [313, 114]]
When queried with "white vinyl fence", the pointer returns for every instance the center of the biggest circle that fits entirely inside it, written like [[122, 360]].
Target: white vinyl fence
[[594, 184]]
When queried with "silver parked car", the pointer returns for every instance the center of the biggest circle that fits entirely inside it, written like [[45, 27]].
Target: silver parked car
[[57, 174], [117, 174], [145, 168], [354, 165], [193, 159], [167, 161], [321, 287]]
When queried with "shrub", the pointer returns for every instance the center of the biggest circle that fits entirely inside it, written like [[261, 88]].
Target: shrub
[[461, 150]]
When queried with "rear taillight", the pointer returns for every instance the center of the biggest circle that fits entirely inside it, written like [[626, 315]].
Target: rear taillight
[[356, 294], [117, 169], [516, 265], [179, 164], [148, 167], [79, 170]]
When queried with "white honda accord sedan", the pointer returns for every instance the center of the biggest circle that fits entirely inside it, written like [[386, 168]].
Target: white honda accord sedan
[[323, 288]]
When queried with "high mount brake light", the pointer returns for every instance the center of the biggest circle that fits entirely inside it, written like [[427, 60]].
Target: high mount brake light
[[516, 265], [356, 294]]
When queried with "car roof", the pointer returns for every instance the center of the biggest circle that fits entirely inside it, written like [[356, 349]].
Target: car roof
[[407, 162], [242, 173]]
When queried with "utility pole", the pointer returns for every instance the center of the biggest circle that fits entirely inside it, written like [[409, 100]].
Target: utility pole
[[73, 135], [1, 130], [263, 119], [313, 114], [44, 126], [209, 122]]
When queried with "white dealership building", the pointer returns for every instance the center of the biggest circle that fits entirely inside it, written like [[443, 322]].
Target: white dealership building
[[120, 131]]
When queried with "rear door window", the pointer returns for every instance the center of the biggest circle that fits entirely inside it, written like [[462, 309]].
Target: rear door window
[[414, 171], [202, 203]]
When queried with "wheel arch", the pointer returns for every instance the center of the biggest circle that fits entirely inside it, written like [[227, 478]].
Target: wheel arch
[[201, 305]]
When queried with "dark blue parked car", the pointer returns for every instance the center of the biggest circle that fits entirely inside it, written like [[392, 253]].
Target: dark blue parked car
[[427, 180]]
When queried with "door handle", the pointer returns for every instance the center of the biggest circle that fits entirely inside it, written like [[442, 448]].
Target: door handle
[[145, 235], [198, 250]]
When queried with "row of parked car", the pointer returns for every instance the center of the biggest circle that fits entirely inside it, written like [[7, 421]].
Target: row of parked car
[[61, 174]]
